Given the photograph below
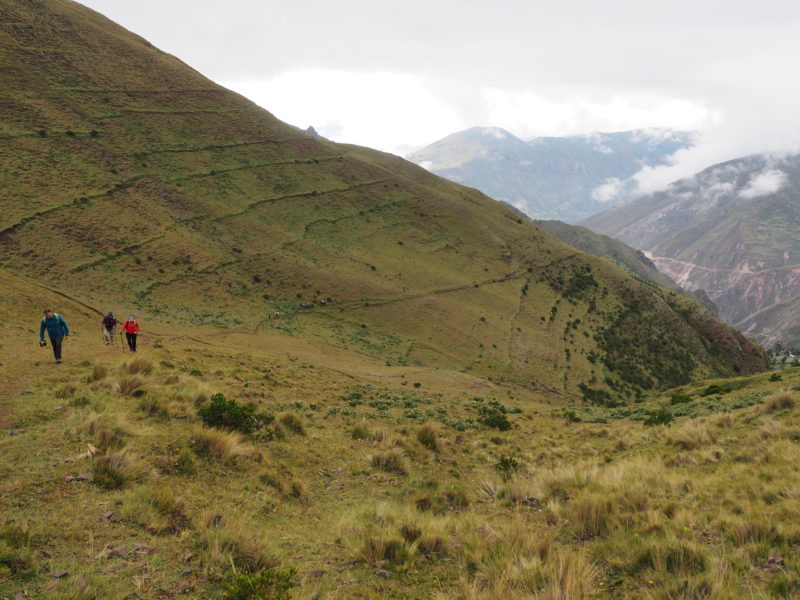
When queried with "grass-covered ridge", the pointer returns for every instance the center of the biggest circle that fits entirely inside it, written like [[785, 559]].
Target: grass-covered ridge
[[213, 470]]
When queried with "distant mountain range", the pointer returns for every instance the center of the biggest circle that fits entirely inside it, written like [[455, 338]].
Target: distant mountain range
[[732, 230], [564, 178]]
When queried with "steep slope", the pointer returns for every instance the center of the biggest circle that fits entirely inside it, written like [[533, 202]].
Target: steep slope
[[732, 230], [623, 255], [566, 178], [130, 180]]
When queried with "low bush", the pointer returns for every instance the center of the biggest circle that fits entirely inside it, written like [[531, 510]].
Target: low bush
[[229, 414], [680, 399], [494, 418], [506, 466], [661, 416]]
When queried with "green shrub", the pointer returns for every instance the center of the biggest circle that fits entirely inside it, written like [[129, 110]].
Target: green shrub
[[268, 584], [680, 399], [230, 415], [493, 417], [506, 466], [662, 416]]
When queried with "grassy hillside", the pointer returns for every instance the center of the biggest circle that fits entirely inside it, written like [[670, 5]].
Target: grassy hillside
[[731, 230], [351, 479], [138, 183]]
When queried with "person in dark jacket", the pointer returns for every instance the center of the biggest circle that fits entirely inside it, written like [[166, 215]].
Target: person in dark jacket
[[109, 326], [57, 330], [131, 329]]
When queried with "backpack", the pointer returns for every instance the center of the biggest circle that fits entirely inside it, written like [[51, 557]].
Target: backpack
[[109, 322]]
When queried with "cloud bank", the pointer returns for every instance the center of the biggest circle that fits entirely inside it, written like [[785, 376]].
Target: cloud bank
[[401, 73]]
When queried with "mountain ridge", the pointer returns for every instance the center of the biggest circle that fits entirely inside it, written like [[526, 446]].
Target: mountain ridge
[[730, 230], [563, 178]]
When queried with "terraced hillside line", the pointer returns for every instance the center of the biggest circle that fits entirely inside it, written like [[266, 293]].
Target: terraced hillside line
[[258, 203], [124, 184], [274, 163], [143, 153]]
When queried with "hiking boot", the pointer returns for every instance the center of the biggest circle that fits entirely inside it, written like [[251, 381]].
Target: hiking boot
[[58, 360]]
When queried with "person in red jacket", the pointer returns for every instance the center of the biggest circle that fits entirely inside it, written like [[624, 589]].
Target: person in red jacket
[[131, 329]]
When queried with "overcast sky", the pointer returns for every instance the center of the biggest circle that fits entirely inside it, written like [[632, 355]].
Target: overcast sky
[[399, 74]]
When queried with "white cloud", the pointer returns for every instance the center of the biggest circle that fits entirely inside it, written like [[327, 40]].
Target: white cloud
[[716, 66], [384, 110], [531, 114], [609, 190], [766, 182]]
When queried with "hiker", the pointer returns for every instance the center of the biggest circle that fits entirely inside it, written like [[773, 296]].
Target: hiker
[[131, 330], [57, 330], [109, 325]]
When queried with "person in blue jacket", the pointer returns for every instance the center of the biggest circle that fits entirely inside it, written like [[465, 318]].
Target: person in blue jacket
[[57, 330]]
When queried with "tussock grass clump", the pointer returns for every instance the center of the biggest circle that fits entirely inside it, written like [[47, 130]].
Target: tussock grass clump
[[293, 423], [274, 584], [79, 587], [572, 577], [671, 555], [117, 468], [428, 436], [691, 435], [109, 430], [362, 432], [782, 400], [131, 386], [591, 515], [391, 462], [156, 509], [275, 480], [236, 542], [16, 556], [138, 366], [99, 372], [153, 406], [216, 444], [299, 491], [379, 551], [66, 391]]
